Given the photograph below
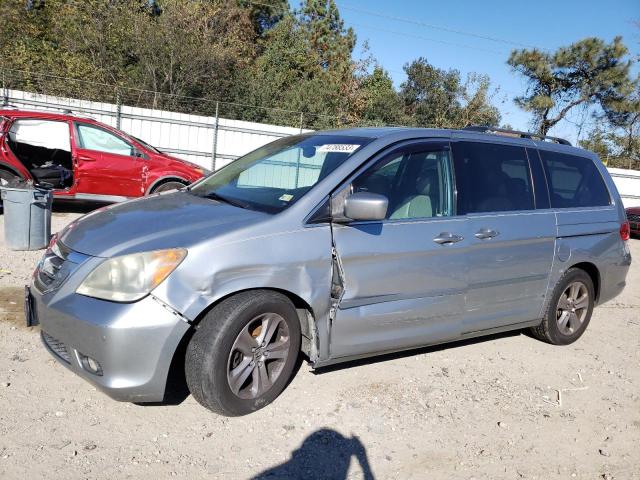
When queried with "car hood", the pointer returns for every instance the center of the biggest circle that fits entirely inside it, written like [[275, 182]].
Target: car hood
[[169, 220], [180, 161]]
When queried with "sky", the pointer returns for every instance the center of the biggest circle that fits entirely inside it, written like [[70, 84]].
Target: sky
[[511, 24]]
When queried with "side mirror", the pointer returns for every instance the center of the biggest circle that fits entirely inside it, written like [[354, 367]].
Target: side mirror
[[366, 206], [137, 153]]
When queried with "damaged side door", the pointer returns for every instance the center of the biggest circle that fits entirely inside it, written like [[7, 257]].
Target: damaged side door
[[106, 163], [400, 282]]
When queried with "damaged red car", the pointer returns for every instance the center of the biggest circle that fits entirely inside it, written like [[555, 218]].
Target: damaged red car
[[83, 159], [633, 215]]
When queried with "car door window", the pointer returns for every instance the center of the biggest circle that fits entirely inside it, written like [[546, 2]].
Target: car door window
[[44, 148], [38, 142], [491, 178], [98, 139], [573, 181], [417, 183]]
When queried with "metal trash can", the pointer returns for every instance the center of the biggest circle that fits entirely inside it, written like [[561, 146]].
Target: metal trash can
[[27, 216]]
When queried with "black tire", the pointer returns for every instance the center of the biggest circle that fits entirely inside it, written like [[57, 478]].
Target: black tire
[[210, 353], [166, 186], [550, 330]]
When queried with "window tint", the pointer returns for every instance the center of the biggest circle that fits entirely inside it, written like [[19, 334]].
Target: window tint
[[93, 138], [573, 181], [491, 178], [539, 181], [417, 183]]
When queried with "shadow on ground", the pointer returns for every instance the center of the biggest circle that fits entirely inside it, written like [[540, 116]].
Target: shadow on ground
[[62, 207], [324, 455]]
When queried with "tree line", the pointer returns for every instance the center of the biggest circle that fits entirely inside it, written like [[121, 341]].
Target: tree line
[[267, 62]]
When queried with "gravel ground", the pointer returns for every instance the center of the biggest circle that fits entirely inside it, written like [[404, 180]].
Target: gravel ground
[[479, 409]]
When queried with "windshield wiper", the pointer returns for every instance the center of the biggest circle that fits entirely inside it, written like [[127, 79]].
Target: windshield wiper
[[220, 198]]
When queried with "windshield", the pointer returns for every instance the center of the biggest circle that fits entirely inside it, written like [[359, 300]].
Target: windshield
[[145, 144], [277, 175]]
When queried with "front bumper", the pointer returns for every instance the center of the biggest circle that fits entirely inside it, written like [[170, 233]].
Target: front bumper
[[134, 343]]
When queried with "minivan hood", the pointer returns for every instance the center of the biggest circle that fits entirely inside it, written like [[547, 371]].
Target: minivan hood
[[168, 220]]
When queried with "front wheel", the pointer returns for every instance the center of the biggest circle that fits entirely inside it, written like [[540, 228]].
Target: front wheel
[[569, 310], [243, 353], [167, 186]]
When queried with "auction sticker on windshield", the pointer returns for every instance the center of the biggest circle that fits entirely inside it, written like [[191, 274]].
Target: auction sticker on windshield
[[338, 148]]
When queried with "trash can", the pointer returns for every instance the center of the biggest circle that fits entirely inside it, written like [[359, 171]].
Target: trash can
[[27, 216]]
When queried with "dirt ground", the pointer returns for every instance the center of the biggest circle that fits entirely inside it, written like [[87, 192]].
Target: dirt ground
[[484, 409]]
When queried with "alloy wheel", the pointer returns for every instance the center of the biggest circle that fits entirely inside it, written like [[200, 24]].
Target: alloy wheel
[[572, 309], [258, 356]]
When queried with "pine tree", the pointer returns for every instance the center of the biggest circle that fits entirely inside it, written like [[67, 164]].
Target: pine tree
[[590, 72]]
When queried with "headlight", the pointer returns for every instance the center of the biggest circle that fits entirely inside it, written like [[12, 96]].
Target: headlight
[[130, 277]]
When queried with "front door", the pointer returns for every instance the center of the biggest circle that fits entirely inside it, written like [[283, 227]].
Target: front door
[[106, 166], [403, 278], [511, 242]]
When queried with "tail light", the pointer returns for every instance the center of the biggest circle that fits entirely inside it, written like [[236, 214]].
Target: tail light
[[625, 231]]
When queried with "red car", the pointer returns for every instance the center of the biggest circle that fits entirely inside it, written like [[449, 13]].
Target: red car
[[633, 215], [83, 159]]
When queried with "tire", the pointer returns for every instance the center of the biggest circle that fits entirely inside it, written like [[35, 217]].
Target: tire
[[567, 318], [166, 186], [220, 352]]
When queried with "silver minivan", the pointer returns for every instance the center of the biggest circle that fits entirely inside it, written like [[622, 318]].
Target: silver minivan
[[335, 245]]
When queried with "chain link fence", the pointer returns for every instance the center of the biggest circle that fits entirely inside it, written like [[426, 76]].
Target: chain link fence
[[208, 132]]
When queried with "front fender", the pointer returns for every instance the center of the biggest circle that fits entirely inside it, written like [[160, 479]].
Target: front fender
[[298, 262]]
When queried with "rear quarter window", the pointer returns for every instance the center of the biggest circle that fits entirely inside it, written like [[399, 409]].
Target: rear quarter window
[[574, 181]]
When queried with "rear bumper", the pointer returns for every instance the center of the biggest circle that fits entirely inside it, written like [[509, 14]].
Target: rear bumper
[[614, 279], [133, 343]]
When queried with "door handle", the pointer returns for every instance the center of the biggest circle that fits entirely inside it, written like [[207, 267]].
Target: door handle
[[486, 233], [447, 238], [82, 158]]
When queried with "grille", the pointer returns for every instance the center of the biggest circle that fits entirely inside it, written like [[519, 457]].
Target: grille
[[633, 217], [56, 347], [49, 275]]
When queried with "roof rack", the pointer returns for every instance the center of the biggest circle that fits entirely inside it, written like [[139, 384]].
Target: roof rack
[[516, 133]]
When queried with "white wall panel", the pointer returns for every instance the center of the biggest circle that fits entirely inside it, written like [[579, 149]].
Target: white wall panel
[[186, 136]]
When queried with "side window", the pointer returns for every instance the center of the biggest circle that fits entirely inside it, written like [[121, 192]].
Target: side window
[[417, 183], [573, 181], [93, 138], [39, 143], [491, 178]]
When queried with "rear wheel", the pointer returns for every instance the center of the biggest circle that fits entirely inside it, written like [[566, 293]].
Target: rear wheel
[[569, 310], [243, 353]]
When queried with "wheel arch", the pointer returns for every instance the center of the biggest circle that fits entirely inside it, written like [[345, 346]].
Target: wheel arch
[[175, 386], [306, 317], [592, 270], [164, 179]]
